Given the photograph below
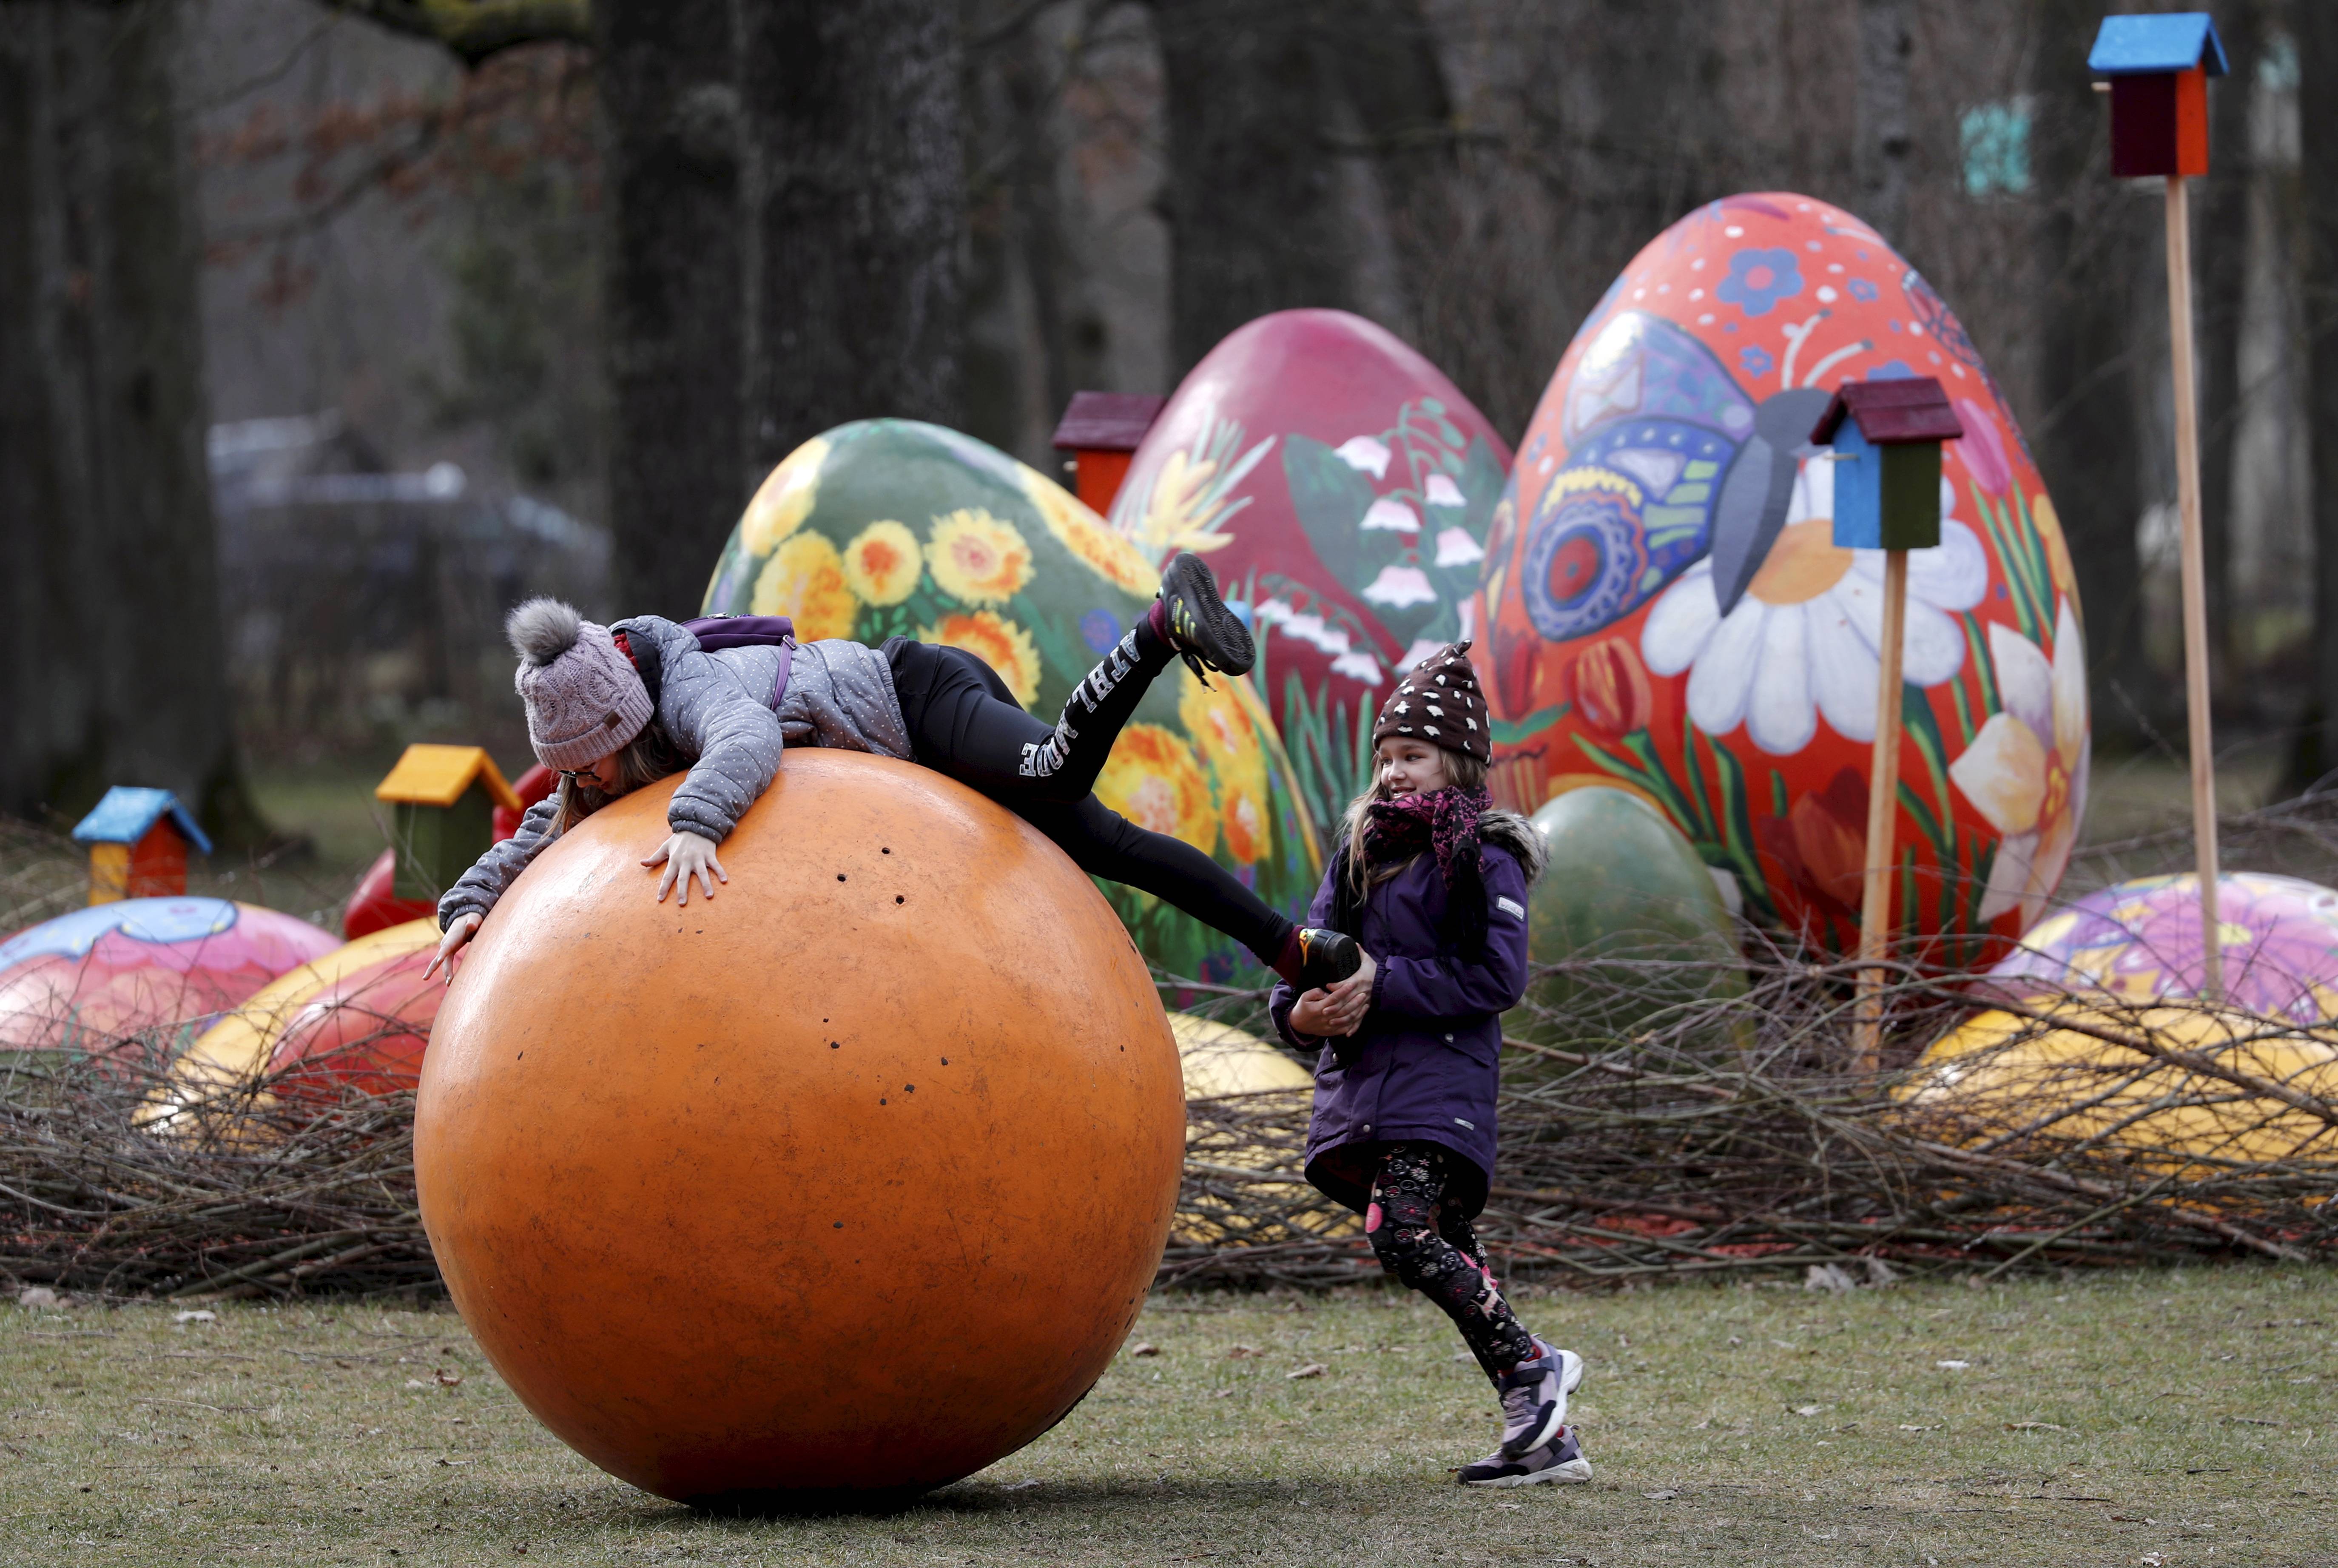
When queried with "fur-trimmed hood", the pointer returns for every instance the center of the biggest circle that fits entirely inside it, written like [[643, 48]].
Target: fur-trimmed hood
[[1507, 830]]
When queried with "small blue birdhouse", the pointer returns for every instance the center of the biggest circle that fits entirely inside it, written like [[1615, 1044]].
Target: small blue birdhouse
[[2158, 68], [138, 841], [1887, 438]]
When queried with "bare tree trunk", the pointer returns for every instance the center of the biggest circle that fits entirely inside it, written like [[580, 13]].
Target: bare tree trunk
[[854, 197], [2315, 28], [2092, 238], [2222, 241], [1885, 43], [1021, 285], [114, 664], [1252, 195], [1269, 107], [678, 475]]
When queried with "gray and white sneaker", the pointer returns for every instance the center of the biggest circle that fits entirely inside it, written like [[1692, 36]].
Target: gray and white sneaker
[[1534, 1397], [1561, 1459]]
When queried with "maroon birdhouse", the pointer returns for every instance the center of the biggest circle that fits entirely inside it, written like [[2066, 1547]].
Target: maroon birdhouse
[[138, 841], [1102, 430], [2158, 68]]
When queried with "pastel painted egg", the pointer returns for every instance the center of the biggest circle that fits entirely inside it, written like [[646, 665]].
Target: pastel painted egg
[[92, 978], [890, 528], [2139, 941], [1666, 608], [2095, 968], [1339, 485], [1629, 921]]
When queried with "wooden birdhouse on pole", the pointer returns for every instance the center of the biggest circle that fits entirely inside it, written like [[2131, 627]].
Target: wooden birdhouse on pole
[[1102, 431], [1887, 438], [138, 841], [2158, 69], [443, 803]]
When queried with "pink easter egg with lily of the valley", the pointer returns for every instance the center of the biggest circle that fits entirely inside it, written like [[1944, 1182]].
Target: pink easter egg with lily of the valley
[[1666, 610], [1340, 487]]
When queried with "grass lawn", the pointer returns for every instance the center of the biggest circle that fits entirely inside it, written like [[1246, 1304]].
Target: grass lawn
[[2141, 1418]]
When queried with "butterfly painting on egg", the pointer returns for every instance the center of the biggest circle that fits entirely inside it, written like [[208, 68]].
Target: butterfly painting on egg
[[1667, 460]]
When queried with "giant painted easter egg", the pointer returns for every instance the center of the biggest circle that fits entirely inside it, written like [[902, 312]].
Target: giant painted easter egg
[[2100, 969], [1340, 487], [2139, 941], [1666, 608], [890, 528], [136, 966], [1627, 932], [359, 1015]]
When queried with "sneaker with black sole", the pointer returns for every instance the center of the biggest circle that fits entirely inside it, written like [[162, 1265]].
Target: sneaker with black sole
[[1326, 957], [1534, 1397], [1206, 633], [1561, 1459]]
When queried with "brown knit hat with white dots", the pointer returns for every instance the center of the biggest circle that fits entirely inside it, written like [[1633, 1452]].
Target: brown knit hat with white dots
[[1439, 702]]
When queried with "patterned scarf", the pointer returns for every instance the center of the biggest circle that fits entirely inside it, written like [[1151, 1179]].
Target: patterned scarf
[[1442, 822]]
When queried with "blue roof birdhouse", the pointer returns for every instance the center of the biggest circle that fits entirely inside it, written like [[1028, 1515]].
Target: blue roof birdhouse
[[138, 841], [2158, 68], [1887, 438]]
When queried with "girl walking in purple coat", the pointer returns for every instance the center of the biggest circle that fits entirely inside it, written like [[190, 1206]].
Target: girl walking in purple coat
[[1430, 879]]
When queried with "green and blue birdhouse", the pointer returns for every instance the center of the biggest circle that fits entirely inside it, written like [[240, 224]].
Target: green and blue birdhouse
[[1887, 437]]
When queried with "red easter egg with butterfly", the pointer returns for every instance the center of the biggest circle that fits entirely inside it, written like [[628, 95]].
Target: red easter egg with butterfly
[[1666, 610], [1340, 487]]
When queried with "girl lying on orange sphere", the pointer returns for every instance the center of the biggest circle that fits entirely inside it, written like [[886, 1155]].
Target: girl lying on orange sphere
[[613, 708]]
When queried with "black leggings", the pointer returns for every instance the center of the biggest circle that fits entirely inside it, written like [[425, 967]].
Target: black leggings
[[1422, 1237], [963, 722]]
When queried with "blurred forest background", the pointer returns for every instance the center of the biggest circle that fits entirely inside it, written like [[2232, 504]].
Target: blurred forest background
[[330, 327]]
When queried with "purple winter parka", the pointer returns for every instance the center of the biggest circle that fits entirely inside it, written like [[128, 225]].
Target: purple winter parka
[[1431, 1062]]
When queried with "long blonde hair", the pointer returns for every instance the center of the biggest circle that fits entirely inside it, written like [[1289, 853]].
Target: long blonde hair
[[1461, 769], [648, 757]]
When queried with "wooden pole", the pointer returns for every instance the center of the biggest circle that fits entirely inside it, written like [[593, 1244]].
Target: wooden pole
[[1883, 812], [2195, 575]]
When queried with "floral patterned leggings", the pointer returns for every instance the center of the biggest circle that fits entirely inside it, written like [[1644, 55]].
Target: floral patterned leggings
[[1424, 1239]]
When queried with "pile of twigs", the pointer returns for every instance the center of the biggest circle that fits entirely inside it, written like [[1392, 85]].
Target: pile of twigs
[[248, 1193], [1730, 1133], [1734, 1132], [1654, 1122]]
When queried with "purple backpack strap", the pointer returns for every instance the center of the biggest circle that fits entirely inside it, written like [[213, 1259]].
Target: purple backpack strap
[[716, 633]]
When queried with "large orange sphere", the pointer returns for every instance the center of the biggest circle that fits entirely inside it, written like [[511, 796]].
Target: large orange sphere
[[853, 1178]]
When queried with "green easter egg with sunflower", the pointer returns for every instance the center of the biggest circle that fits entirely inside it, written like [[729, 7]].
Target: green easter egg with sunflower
[[893, 527]]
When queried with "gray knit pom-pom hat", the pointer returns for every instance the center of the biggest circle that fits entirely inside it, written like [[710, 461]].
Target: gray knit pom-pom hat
[[584, 697]]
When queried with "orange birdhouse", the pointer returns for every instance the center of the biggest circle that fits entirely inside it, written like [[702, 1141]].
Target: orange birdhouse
[[1102, 430], [2158, 68], [138, 841]]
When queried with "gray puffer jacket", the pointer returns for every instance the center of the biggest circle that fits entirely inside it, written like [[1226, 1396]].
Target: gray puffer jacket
[[716, 707]]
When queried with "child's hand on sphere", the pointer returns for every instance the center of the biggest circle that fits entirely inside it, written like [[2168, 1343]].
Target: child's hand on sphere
[[685, 856], [458, 936]]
